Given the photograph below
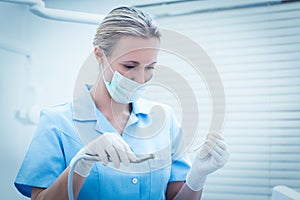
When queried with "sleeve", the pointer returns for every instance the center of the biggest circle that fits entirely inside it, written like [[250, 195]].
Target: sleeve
[[44, 160], [180, 162]]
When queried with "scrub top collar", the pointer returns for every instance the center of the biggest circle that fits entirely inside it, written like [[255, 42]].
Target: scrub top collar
[[83, 105], [84, 108], [142, 106]]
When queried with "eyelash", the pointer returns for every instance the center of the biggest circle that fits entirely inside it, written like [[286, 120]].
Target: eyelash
[[150, 67], [131, 67]]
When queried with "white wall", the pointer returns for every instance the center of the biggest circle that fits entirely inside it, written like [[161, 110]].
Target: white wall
[[56, 50]]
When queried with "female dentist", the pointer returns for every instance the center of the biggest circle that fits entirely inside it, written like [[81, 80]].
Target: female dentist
[[126, 46]]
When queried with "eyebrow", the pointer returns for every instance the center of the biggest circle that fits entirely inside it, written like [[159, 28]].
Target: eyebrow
[[132, 62], [138, 63]]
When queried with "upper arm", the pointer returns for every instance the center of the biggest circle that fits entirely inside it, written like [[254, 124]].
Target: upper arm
[[44, 160], [35, 192], [173, 188], [180, 164]]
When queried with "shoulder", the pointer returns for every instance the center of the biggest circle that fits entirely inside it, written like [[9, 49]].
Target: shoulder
[[57, 113], [57, 117], [59, 110]]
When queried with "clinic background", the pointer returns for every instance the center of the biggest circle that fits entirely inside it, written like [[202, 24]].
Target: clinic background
[[255, 45]]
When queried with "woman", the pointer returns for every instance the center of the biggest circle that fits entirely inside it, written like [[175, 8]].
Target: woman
[[126, 47]]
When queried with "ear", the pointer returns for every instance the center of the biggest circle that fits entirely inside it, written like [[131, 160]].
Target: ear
[[98, 54]]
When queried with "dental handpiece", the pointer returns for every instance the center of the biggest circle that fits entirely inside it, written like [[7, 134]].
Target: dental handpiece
[[143, 158], [139, 159]]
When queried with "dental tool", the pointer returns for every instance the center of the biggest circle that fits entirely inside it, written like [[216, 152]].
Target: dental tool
[[198, 147], [139, 159]]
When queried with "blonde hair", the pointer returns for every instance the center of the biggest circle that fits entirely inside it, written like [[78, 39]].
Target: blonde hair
[[124, 21]]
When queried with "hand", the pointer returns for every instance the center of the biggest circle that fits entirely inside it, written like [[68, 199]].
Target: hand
[[212, 156], [107, 147]]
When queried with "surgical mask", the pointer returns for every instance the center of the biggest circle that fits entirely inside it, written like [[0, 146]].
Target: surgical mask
[[122, 89]]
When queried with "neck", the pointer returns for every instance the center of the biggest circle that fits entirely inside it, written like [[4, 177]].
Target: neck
[[110, 108]]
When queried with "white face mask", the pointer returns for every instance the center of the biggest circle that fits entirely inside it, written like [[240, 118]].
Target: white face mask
[[122, 89]]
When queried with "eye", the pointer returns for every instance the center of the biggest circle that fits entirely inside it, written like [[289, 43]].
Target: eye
[[150, 67], [129, 66]]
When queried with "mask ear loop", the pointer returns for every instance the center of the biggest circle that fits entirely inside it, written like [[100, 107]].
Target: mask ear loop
[[98, 79], [108, 65], [96, 88]]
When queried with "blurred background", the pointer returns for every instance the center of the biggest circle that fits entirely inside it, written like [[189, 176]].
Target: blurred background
[[255, 45]]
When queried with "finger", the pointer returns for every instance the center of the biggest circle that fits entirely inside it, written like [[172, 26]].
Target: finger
[[204, 151], [103, 157], [218, 149], [216, 136], [122, 154], [219, 146], [222, 149], [210, 144], [217, 157], [220, 160], [214, 133], [203, 154], [128, 151], [110, 150], [220, 155], [222, 145], [213, 136], [131, 156]]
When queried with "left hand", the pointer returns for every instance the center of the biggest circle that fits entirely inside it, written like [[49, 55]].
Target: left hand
[[212, 156]]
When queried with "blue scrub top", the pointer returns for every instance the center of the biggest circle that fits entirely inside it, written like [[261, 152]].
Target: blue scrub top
[[64, 129]]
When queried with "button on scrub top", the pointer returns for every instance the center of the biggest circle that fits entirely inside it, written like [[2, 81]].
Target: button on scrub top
[[64, 129]]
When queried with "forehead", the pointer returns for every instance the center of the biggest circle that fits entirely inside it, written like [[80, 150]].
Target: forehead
[[129, 47]]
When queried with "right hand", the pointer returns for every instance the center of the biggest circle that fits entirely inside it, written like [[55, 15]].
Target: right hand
[[107, 147], [212, 156]]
